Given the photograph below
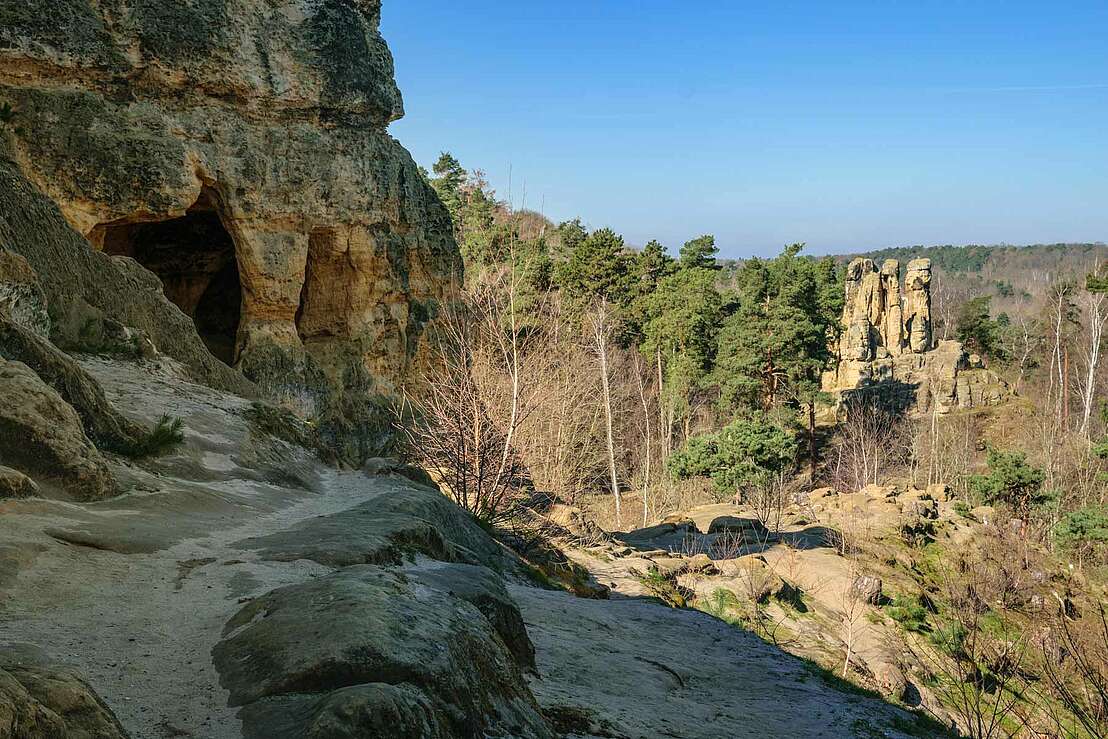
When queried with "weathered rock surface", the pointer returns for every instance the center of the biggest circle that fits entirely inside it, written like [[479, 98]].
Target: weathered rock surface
[[43, 700], [87, 289], [365, 626], [238, 150], [41, 434], [14, 484], [888, 350], [484, 589], [103, 424], [411, 520], [21, 297]]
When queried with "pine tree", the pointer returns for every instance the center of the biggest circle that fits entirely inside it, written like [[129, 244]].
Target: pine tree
[[774, 349]]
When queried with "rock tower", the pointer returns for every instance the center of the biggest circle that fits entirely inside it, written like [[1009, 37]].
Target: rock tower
[[887, 345]]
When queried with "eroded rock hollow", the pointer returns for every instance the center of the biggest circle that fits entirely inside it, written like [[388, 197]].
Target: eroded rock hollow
[[238, 149]]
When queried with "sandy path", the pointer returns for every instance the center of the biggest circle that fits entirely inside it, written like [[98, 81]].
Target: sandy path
[[140, 627]]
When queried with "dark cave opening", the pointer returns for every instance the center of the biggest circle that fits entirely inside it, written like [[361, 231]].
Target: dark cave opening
[[194, 256]]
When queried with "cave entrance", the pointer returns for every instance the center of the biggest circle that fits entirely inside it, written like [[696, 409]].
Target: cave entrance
[[194, 256]]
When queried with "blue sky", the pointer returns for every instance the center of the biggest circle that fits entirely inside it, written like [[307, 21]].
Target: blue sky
[[847, 125]]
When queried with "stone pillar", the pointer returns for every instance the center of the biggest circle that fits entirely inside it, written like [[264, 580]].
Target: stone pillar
[[917, 305], [892, 327], [861, 312]]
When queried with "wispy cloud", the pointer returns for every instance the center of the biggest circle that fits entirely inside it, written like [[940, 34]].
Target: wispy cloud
[[1027, 88]]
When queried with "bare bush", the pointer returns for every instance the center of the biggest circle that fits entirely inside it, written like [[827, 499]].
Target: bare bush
[[976, 656], [450, 426], [869, 444], [1075, 663]]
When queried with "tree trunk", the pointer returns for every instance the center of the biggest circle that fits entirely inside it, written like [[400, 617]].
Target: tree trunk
[[646, 440], [812, 441], [600, 331]]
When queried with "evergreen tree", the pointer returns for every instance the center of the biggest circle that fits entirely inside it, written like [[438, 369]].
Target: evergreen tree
[[744, 454], [976, 329], [774, 349], [700, 253], [598, 267], [449, 182]]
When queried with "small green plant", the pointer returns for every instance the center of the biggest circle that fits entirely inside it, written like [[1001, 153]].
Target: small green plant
[[909, 612], [662, 587], [963, 509], [724, 605], [950, 637], [166, 435], [1084, 531]]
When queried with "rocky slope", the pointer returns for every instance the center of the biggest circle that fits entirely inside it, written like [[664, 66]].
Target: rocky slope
[[243, 588], [238, 150]]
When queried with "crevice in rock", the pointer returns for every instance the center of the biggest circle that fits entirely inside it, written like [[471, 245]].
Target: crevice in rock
[[324, 299], [194, 256]]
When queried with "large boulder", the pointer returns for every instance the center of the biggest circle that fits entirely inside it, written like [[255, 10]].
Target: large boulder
[[14, 484], [339, 638], [405, 520], [42, 435], [105, 426], [485, 590], [42, 699]]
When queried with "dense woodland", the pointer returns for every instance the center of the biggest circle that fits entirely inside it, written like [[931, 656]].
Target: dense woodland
[[636, 383], [655, 377]]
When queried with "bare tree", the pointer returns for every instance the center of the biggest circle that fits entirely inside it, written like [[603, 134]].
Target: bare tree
[[446, 425], [865, 447], [1075, 663], [977, 670], [1093, 306], [601, 325], [646, 440]]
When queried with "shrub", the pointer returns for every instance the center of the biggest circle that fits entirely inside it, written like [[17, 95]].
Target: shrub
[[165, 436], [1010, 480], [1084, 531], [744, 454], [963, 509], [909, 612]]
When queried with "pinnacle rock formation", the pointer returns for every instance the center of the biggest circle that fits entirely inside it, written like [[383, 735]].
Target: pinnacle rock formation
[[238, 150], [887, 345]]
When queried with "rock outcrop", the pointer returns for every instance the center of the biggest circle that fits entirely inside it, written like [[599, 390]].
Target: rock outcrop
[[40, 698], [42, 434], [888, 349], [236, 149], [374, 631]]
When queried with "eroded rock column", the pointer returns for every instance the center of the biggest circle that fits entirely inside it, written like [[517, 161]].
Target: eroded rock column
[[892, 327], [917, 305]]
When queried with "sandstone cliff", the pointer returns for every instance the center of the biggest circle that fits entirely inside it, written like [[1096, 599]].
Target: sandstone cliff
[[887, 346], [237, 149]]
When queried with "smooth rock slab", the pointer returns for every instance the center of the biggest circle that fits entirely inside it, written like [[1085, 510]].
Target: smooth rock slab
[[411, 519]]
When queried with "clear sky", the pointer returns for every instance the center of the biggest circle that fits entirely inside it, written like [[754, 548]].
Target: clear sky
[[848, 125]]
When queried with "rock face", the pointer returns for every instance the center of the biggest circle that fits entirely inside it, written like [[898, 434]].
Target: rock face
[[238, 150], [41, 433], [888, 349], [21, 296]]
